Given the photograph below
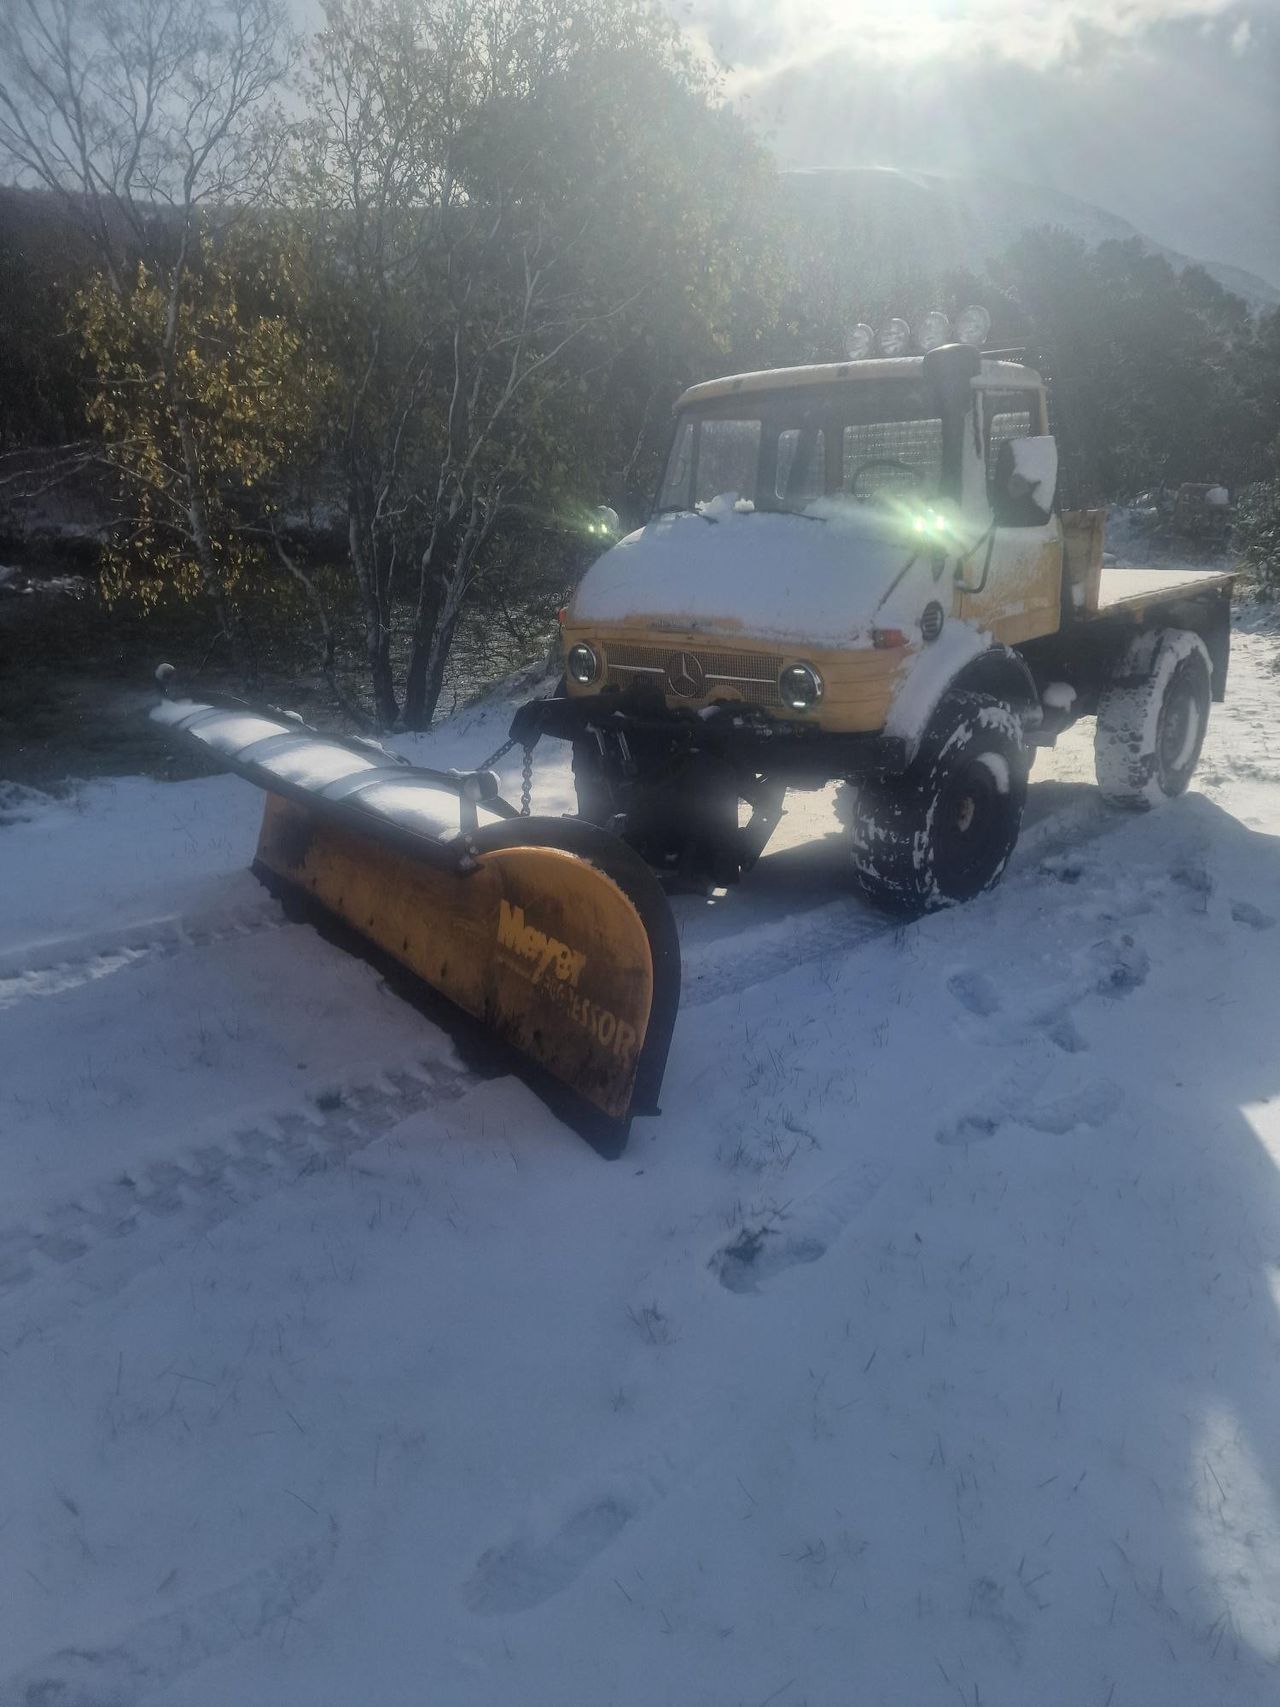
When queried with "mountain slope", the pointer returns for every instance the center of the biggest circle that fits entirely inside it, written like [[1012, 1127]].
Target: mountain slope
[[925, 220]]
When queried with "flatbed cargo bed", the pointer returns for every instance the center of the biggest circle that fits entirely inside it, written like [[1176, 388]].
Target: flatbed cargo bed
[[1094, 588], [1123, 586]]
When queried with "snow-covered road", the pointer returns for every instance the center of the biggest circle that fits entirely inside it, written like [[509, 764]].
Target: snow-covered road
[[927, 1348]]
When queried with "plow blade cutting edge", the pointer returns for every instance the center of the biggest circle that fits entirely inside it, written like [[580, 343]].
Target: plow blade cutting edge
[[549, 933]]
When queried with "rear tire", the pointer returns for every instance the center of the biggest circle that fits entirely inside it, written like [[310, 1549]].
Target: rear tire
[[943, 833], [1152, 720]]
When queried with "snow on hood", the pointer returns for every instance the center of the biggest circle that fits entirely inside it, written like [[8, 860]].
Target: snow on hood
[[818, 577]]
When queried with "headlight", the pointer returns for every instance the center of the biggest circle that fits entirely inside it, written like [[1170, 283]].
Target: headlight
[[800, 686], [583, 663]]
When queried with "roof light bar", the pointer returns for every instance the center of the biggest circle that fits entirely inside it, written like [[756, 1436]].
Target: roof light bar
[[934, 329], [973, 325], [862, 342], [895, 337]]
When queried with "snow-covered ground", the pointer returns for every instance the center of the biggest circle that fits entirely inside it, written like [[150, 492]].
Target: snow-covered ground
[[926, 1349]]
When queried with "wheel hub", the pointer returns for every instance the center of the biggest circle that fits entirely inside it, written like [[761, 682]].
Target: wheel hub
[[1179, 730]]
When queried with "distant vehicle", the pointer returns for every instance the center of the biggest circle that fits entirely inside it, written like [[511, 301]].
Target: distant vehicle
[[1202, 512]]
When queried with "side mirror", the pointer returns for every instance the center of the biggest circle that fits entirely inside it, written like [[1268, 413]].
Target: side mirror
[[1026, 482]]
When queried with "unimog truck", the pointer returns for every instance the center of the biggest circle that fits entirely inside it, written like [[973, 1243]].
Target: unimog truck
[[860, 572], [853, 572]]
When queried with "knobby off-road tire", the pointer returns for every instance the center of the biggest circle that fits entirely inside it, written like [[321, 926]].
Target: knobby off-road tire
[[1152, 721], [943, 833]]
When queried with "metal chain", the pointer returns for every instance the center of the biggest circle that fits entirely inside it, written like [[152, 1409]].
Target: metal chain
[[491, 761], [526, 774]]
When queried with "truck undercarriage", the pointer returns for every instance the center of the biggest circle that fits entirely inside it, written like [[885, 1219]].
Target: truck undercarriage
[[670, 781]]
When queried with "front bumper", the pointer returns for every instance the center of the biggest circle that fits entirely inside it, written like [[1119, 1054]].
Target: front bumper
[[742, 736]]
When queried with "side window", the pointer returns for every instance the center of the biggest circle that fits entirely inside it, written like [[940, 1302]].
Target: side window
[[728, 457], [802, 464], [675, 482], [917, 445], [1006, 415]]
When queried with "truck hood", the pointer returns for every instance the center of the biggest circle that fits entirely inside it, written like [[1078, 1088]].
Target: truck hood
[[819, 578]]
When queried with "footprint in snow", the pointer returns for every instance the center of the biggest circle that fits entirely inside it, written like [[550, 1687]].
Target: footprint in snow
[[1121, 965], [758, 1253], [972, 1129], [1061, 1031], [755, 1255], [1245, 913], [1090, 1106], [975, 992], [527, 1571], [543, 1558]]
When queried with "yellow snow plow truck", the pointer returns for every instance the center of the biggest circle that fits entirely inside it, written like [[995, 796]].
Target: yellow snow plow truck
[[854, 572], [859, 572]]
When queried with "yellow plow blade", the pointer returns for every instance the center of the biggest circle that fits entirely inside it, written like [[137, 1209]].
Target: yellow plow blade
[[549, 933]]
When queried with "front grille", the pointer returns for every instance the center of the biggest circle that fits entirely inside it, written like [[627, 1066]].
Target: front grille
[[750, 676]]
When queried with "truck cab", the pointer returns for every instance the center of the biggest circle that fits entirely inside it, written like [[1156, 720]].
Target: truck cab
[[845, 565], [814, 528]]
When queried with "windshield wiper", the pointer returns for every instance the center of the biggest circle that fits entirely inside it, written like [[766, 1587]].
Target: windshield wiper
[[684, 510], [786, 510]]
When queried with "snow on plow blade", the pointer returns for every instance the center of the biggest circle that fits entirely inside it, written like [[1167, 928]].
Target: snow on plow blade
[[549, 932]]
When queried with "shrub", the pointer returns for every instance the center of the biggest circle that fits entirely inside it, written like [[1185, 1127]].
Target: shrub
[[1257, 535]]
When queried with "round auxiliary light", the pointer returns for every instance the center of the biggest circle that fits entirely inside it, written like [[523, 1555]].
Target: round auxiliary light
[[973, 324], [895, 337], [862, 342], [800, 686], [583, 663], [933, 330]]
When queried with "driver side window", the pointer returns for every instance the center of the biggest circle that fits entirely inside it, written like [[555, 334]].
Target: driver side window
[[915, 444]]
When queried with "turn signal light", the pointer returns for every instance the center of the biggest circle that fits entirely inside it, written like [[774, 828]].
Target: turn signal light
[[887, 637]]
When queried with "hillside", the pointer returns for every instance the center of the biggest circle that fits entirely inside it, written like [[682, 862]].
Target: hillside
[[902, 223]]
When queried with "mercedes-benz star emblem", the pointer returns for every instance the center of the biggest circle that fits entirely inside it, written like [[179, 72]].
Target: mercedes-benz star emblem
[[685, 675]]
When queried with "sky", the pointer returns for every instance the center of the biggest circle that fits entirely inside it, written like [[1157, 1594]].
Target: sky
[[1165, 112]]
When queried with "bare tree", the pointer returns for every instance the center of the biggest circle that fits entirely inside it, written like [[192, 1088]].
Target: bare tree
[[447, 229], [147, 119]]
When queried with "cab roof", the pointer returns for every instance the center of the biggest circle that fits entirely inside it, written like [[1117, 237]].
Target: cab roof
[[992, 371]]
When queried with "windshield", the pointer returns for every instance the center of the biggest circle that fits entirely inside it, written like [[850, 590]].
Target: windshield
[[860, 443]]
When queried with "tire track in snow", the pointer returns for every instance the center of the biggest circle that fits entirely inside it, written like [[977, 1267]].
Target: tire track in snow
[[158, 1650], [206, 1183], [52, 968], [766, 949]]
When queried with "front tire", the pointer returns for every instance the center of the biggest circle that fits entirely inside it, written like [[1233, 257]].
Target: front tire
[[1152, 721], [943, 833]]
